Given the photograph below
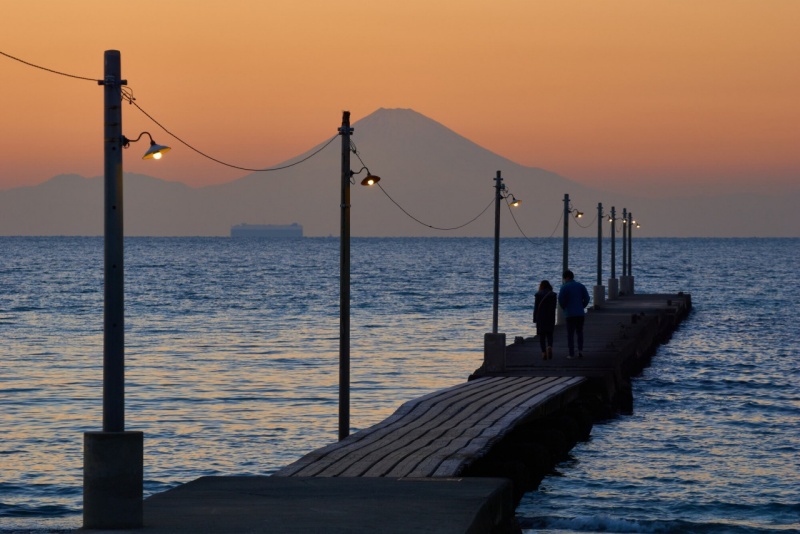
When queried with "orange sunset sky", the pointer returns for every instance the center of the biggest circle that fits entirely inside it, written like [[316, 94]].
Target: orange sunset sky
[[653, 96]]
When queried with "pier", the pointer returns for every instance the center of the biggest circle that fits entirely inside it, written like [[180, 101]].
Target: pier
[[456, 460]]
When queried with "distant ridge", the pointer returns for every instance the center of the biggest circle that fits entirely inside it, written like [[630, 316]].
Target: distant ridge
[[436, 175]]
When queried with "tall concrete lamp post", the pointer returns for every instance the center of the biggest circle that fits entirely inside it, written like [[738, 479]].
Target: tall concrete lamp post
[[599, 291], [623, 280], [630, 280], [565, 247], [113, 459], [344, 275], [494, 344], [613, 283]]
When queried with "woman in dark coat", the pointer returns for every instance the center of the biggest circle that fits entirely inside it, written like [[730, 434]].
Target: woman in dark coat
[[544, 315]]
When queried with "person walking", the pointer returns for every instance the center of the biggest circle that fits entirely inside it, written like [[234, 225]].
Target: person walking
[[544, 315], [573, 298]]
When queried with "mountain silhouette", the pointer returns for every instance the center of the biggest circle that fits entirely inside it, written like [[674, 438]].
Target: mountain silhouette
[[428, 173]]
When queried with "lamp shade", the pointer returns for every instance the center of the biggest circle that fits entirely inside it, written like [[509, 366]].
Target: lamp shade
[[155, 151], [371, 179]]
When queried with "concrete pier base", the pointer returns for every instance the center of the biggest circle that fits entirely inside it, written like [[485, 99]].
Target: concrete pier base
[[626, 285], [613, 288], [599, 296], [113, 474], [494, 352]]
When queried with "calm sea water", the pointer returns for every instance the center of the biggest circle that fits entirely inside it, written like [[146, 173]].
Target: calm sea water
[[232, 368]]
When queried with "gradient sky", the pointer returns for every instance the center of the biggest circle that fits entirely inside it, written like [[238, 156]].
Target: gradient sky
[[658, 97]]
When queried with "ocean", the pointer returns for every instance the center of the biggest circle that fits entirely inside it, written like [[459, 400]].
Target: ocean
[[232, 368]]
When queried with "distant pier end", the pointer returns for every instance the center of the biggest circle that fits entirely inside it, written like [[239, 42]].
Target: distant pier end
[[267, 230]]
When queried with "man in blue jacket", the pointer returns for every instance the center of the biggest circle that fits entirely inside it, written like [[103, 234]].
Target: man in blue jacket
[[573, 298]]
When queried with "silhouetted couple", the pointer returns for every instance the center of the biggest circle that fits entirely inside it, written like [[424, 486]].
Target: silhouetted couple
[[573, 299]]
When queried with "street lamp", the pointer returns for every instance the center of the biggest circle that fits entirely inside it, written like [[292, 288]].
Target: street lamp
[[154, 152], [613, 283], [623, 289], [500, 193], [344, 274], [631, 223], [494, 344], [567, 212], [565, 246], [113, 459], [599, 290]]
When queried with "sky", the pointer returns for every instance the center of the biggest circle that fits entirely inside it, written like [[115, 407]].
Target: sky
[[650, 97]]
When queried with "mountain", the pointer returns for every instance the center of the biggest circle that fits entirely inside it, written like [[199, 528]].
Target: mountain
[[430, 172]]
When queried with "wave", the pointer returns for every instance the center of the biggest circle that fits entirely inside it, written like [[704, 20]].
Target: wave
[[607, 523]]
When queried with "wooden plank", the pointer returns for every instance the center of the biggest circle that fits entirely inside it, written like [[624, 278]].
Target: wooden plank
[[446, 413], [435, 435], [468, 452], [398, 455], [414, 409], [476, 440]]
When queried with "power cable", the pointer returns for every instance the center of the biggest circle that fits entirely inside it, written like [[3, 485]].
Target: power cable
[[429, 225], [129, 97], [49, 70]]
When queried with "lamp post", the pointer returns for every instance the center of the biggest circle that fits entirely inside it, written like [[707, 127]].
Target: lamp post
[[344, 283], [496, 284], [599, 292], [631, 224], [625, 281], [613, 283], [113, 459], [494, 344], [623, 289], [344, 275], [565, 247]]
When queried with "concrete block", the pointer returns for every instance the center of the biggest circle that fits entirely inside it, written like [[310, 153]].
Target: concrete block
[[613, 288], [599, 296], [113, 475], [494, 352]]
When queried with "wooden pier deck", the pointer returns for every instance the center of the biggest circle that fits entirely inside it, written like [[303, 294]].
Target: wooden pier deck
[[439, 434], [515, 417]]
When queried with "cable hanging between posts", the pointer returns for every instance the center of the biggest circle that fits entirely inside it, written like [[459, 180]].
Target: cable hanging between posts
[[128, 95], [560, 218], [429, 225], [588, 225], [96, 80], [508, 205]]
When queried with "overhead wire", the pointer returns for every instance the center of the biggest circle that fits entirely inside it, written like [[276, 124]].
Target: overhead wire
[[588, 225], [129, 97], [521, 231], [127, 94], [49, 70], [430, 225]]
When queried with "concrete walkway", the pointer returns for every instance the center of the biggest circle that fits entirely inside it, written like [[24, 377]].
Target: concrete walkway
[[282, 505]]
